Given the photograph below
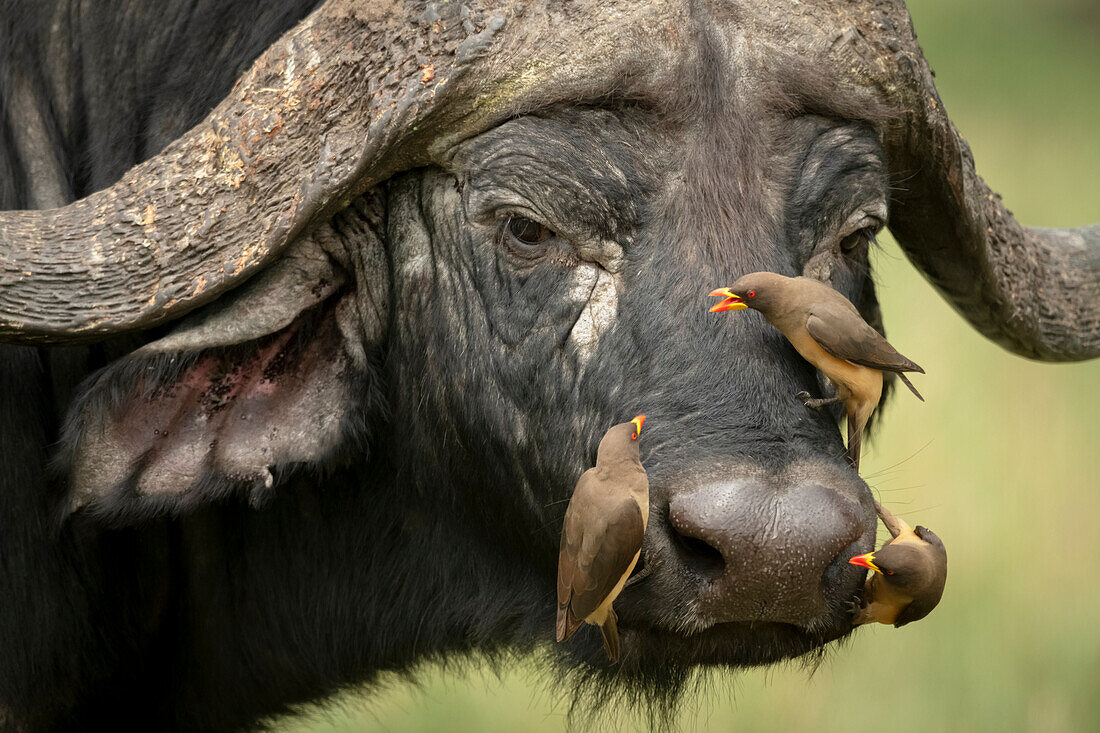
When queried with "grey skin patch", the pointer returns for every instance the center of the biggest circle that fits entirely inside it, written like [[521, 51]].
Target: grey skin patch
[[596, 285]]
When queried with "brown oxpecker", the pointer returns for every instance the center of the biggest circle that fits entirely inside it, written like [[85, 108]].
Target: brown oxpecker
[[908, 574], [601, 538], [828, 331]]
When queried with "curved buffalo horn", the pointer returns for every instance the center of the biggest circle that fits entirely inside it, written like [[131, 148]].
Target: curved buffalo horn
[[355, 93], [361, 90], [321, 115], [1034, 291]]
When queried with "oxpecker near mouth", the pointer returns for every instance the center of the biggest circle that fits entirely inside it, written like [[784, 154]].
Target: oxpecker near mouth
[[910, 572]]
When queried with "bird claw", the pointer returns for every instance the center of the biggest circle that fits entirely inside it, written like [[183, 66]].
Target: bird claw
[[860, 613], [810, 401], [814, 403], [637, 576]]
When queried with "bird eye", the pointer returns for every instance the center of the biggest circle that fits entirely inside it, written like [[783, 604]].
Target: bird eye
[[889, 572], [634, 436], [751, 293]]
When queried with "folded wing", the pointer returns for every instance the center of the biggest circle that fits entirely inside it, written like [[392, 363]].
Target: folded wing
[[602, 534]]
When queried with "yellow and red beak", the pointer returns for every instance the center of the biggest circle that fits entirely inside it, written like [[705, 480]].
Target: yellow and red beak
[[732, 301], [638, 422], [865, 561]]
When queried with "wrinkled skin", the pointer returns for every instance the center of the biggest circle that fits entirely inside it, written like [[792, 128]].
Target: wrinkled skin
[[718, 402], [469, 362]]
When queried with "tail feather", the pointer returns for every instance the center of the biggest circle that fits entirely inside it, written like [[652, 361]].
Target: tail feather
[[567, 624], [610, 631], [855, 439], [907, 383], [894, 523]]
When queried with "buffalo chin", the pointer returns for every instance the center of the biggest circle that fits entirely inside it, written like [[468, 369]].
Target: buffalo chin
[[732, 644], [660, 668], [650, 655]]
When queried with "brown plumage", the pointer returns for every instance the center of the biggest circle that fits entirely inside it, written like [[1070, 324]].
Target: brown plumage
[[601, 538], [908, 574], [828, 331]]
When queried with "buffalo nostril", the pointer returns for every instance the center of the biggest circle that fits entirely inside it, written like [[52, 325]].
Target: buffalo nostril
[[698, 555], [767, 551], [838, 566]]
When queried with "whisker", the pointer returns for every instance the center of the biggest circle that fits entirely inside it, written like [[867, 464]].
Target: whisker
[[918, 511], [908, 458]]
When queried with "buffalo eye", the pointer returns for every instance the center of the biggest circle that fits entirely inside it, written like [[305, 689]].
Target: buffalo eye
[[526, 237], [528, 231], [852, 243]]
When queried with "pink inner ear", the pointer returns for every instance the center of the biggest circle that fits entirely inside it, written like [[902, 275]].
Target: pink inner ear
[[231, 416], [219, 383]]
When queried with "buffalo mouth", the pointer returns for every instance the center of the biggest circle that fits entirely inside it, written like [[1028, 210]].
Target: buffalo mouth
[[661, 667], [654, 653], [658, 665], [667, 626], [656, 646], [738, 643], [746, 569]]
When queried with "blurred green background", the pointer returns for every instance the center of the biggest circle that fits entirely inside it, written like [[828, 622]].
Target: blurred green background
[[1003, 461]]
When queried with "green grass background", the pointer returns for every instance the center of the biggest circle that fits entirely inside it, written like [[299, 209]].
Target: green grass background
[[1002, 461]]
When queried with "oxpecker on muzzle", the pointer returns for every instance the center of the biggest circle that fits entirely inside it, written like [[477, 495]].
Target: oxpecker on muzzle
[[601, 539]]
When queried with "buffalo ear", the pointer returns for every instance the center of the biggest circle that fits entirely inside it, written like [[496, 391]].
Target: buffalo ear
[[279, 375]]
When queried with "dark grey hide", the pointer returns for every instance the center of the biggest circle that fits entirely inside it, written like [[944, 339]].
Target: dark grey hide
[[359, 459]]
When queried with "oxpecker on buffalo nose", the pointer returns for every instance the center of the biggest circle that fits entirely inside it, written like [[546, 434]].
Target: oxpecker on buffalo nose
[[828, 331], [908, 574], [601, 539]]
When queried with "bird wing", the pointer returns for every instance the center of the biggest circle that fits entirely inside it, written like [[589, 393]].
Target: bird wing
[[936, 579], [919, 607], [846, 335], [602, 533]]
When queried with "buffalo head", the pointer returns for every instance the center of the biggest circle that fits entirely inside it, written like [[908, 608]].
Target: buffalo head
[[424, 254]]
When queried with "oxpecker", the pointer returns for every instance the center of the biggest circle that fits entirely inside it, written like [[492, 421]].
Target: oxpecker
[[601, 539], [907, 574], [827, 330]]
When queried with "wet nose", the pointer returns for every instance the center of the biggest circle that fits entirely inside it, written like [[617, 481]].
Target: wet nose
[[766, 553]]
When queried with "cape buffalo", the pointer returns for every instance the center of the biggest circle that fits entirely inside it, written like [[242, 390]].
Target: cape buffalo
[[316, 312]]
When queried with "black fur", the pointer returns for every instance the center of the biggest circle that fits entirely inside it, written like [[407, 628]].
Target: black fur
[[433, 531]]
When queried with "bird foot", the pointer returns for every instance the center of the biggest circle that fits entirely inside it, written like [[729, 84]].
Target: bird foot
[[816, 404], [639, 575], [855, 609], [858, 611]]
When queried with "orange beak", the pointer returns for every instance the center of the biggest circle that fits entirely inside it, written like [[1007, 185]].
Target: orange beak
[[732, 301], [865, 561], [638, 422]]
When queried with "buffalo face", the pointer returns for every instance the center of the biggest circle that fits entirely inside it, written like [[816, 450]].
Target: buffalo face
[[551, 278]]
